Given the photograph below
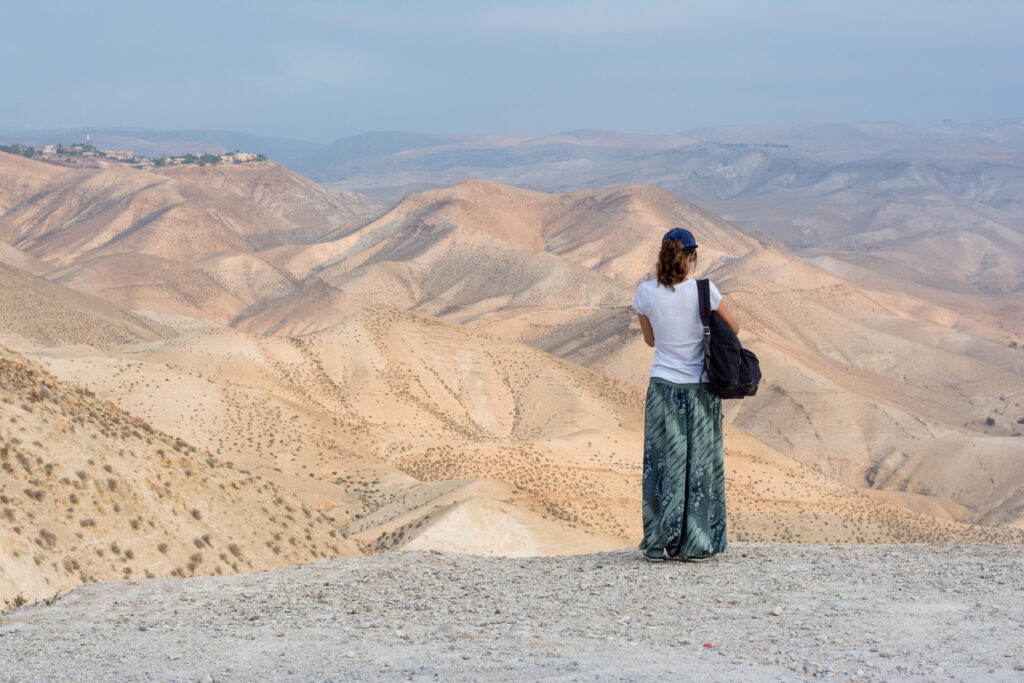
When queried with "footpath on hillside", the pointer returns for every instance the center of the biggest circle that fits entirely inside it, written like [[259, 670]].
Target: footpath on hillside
[[759, 611]]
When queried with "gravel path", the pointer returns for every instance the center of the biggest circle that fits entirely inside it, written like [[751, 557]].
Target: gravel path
[[769, 611]]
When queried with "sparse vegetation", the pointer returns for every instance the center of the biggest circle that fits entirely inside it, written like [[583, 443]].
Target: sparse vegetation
[[14, 603]]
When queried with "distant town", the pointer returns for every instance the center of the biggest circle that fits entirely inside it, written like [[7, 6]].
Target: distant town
[[85, 154]]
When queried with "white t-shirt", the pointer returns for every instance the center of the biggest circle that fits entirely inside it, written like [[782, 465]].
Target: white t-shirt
[[678, 334]]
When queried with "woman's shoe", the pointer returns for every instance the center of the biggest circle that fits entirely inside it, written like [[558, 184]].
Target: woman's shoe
[[654, 555]]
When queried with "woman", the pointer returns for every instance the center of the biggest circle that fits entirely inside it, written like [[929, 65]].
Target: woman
[[684, 480]]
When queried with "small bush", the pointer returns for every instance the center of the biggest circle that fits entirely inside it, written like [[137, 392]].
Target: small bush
[[17, 602]]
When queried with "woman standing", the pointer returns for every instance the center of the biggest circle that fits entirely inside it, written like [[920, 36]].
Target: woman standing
[[684, 479]]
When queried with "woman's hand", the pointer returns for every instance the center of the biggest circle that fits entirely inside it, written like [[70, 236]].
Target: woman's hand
[[645, 327]]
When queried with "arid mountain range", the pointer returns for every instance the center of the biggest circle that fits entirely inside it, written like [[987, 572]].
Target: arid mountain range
[[462, 371], [938, 206]]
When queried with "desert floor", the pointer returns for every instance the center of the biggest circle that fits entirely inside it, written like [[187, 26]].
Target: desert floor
[[768, 611]]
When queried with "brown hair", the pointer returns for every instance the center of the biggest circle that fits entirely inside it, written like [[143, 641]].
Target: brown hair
[[673, 263]]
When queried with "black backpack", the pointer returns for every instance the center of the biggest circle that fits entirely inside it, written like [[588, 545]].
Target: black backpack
[[733, 372]]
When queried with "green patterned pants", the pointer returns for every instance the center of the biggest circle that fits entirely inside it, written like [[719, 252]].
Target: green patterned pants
[[684, 473]]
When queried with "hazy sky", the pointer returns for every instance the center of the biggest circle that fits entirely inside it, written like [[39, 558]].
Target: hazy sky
[[323, 70]]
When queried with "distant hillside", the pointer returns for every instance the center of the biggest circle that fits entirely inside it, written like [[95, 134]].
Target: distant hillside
[[182, 240], [480, 250], [891, 189], [36, 312]]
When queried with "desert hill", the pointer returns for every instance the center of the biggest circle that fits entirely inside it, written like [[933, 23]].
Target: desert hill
[[891, 278], [609, 230], [486, 250], [89, 492], [20, 260], [279, 190], [339, 408], [423, 434], [21, 178], [38, 313], [92, 212], [63, 216], [854, 382], [183, 242], [837, 186], [410, 429], [150, 283], [852, 373]]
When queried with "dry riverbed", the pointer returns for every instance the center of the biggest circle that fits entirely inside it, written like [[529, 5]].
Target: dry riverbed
[[760, 611]]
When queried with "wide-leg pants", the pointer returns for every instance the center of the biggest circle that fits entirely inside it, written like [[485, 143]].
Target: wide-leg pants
[[684, 472]]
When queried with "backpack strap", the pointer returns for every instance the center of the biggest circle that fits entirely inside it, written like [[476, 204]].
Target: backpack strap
[[704, 306]]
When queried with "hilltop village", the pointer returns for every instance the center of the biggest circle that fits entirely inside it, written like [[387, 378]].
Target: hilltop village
[[85, 155]]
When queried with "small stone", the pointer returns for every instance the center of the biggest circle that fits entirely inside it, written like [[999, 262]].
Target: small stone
[[350, 655], [143, 627], [776, 611], [1018, 667]]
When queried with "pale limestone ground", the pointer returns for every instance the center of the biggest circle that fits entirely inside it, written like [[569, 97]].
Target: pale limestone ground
[[770, 612]]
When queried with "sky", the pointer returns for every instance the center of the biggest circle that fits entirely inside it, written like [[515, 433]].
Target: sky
[[319, 71]]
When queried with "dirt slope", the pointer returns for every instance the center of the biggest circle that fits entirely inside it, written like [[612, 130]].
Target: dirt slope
[[89, 492]]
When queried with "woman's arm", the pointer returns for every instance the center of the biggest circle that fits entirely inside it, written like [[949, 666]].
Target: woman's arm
[[645, 327], [725, 315]]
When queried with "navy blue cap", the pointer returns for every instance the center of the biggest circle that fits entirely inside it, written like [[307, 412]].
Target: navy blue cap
[[684, 236]]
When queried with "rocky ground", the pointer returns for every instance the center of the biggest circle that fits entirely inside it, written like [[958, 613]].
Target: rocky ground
[[759, 611]]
